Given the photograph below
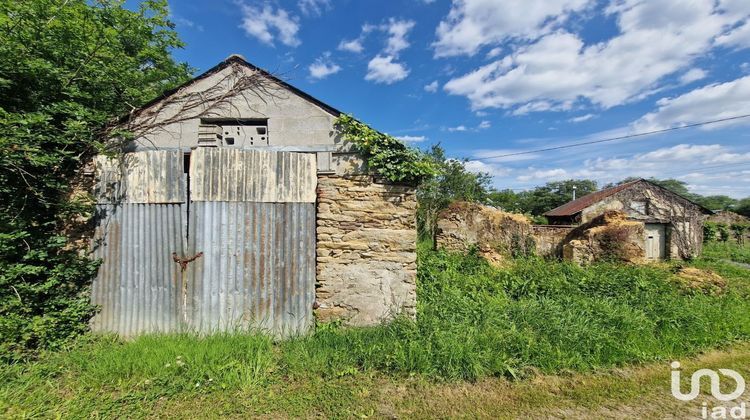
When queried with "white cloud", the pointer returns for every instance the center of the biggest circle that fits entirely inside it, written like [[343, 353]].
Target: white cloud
[[738, 37], [431, 87], [314, 7], [266, 24], [473, 23], [707, 168], [714, 101], [483, 125], [412, 139], [354, 45], [692, 75], [656, 39], [382, 69], [397, 31], [323, 67], [545, 175], [581, 118], [494, 52], [478, 166]]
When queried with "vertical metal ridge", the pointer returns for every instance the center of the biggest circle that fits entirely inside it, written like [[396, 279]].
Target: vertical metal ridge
[[258, 266]]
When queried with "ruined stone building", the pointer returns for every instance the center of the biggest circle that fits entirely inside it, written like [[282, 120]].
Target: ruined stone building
[[672, 224], [237, 205]]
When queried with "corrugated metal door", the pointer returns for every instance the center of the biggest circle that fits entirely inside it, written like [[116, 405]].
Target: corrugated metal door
[[140, 223], [253, 215], [655, 241], [233, 250]]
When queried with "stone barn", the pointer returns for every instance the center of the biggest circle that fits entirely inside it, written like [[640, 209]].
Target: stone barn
[[672, 224], [236, 205]]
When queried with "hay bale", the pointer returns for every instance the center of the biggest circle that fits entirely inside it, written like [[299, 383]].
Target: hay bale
[[704, 281], [496, 234]]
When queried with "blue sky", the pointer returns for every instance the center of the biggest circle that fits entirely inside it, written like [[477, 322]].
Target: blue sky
[[491, 77]]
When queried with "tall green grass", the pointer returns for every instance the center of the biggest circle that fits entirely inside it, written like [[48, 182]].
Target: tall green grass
[[727, 250], [473, 321]]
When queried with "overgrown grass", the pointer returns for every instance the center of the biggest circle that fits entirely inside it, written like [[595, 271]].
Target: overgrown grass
[[727, 250], [473, 321]]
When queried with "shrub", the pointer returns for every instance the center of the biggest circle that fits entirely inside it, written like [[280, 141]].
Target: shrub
[[723, 230], [66, 71], [738, 230], [709, 231]]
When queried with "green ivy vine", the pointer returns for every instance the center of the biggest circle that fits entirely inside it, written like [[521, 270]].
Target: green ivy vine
[[386, 156]]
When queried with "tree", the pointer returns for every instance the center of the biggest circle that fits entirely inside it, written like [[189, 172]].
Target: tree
[[743, 207], [453, 183], [504, 199], [716, 202], [553, 194], [67, 69]]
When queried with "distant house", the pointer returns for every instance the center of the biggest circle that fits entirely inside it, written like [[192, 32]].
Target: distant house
[[673, 224]]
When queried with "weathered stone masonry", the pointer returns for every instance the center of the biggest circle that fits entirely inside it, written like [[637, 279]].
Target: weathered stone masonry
[[366, 250]]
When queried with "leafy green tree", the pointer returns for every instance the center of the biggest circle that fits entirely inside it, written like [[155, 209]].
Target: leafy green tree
[[553, 194], [452, 183], [743, 207], [716, 202], [504, 199], [67, 69]]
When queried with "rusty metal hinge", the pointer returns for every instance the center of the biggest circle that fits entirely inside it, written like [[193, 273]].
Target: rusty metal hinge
[[185, 261]]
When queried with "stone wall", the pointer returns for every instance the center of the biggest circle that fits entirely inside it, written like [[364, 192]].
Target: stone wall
[[495, 233], [550, 238], [611, 236], [366, 250]]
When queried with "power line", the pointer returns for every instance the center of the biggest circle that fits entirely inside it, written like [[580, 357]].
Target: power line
[[701, 169], [628, 136]]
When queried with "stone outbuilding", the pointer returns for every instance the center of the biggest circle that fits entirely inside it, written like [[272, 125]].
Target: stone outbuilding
[[672, 224], [236, 205]]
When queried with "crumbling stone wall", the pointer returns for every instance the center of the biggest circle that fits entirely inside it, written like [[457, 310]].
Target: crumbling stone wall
[[366, 250], [607, 237], [496, 234], [550, 239]]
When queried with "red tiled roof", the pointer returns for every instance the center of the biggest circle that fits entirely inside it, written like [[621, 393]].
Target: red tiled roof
[[576, 206]]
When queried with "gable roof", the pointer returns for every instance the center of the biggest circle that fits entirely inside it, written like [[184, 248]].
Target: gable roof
[[576, 206], [572, 207], [238, 59]]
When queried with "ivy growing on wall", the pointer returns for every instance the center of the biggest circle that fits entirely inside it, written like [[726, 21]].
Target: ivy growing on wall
[[386, 156]]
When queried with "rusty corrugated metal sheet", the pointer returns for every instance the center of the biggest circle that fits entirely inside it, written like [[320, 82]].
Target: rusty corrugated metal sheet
[[258, 264], [221, 174], [137, 286], [140, 177], [575, 206], [257, 269]]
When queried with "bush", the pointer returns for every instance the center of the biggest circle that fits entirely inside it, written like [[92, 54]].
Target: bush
[[723, 230], [66, 71], [709, 231]]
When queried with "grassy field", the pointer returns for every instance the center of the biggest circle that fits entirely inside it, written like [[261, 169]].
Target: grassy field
[[727, 250], [533, 336]]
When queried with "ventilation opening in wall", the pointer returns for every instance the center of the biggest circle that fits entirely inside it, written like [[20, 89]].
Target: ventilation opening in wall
[[240, 132]]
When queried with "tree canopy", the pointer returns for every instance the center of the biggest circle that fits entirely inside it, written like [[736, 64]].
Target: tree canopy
[[68, 68]]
